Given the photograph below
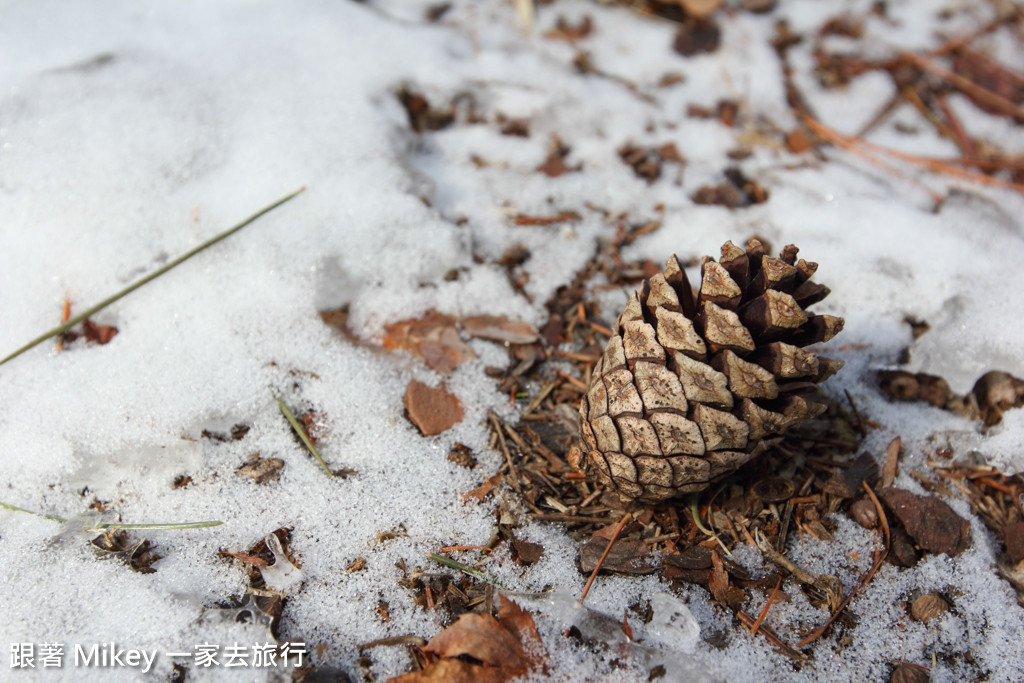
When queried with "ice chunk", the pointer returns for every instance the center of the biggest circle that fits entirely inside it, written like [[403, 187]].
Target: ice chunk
[[282, 575]]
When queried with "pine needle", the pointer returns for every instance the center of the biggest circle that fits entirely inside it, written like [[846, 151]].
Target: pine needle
[[92, 310], [297, 428], [466, 569], [117, 525]]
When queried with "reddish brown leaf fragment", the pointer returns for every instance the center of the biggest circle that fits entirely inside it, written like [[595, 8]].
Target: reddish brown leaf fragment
[[499, 328], [932, 524], [520, 624], [892, 462], [627, 556], [481, 491], [1015, 541], [568, 32], [99, 334], [483, 638], [695, 37], [432, 337], [262, 470], [432, 409], [453, 671], [719, 581], [525, 552], [847, 483]]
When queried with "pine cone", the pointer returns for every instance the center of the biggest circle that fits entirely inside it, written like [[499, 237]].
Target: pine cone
[[691, 387]]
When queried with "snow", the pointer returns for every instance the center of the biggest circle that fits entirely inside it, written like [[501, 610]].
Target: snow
[[130, 133]]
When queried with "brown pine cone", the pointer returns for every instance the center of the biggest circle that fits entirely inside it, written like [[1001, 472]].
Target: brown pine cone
[[693, 386]]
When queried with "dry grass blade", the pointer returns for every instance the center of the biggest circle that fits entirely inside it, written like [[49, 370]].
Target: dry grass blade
[[92, 310]]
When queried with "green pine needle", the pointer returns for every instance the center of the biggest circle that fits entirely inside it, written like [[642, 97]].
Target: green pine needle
[[117, 525], [302, 435], [64, 327], [466, 569]]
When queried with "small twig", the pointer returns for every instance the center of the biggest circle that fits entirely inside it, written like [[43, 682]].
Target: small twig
[[512, 469], [297, 428], [593, 575], [453, 548], [92, 310]]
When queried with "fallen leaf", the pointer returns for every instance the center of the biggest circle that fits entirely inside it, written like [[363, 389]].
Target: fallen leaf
[[499, 328], [432, 337], [848, 483], [563, 30], [520, 623], [929, 521], [525, 552], [262, 470], [695, 37], [100, 334], [481, 491], [483, 638], [1014, 532], [453, 671], [432, 409], [718, 584], [627, 556], [892, 462]]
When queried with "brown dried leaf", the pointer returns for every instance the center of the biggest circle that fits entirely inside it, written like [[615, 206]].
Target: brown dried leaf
[[99, 334], [932, 524], [499, 328], [481, 491], [627, 556], [262, 470], [453, 671], [695, 37], [432, 337], [848, 483], [432, 409], [718, 584], [525, 552], [1014, 532], [892, 462], [568, 32], [520, 623], [483, 638]]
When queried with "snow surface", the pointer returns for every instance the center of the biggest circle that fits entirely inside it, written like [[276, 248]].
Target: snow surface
[[131, 132]]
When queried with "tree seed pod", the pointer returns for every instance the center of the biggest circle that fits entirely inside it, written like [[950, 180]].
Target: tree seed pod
[[692, 385]]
